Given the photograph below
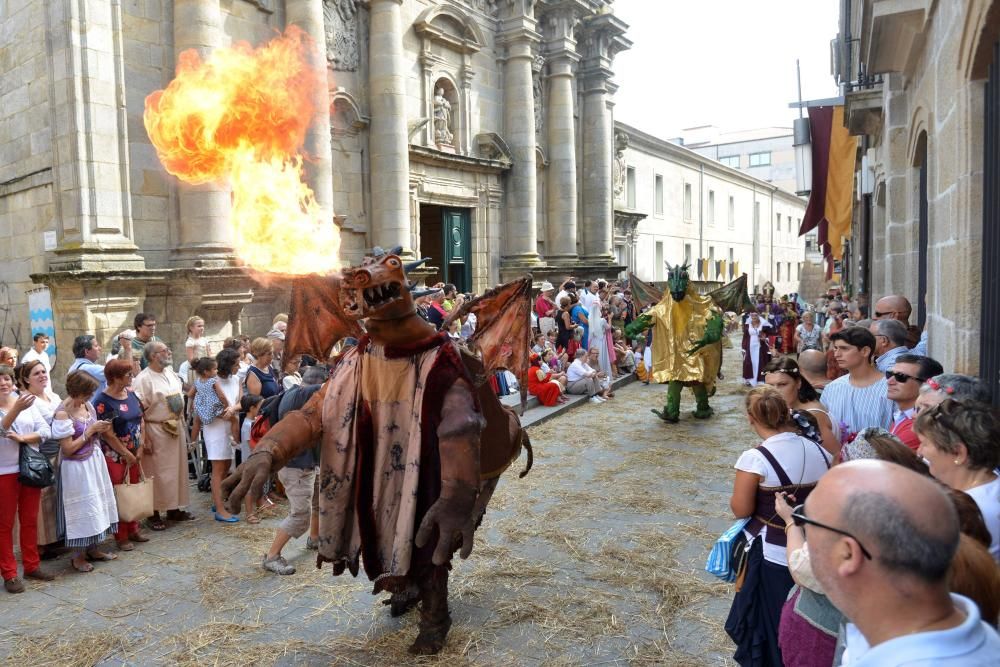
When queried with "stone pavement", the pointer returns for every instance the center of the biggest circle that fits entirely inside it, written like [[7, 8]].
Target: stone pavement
[[595, 557]]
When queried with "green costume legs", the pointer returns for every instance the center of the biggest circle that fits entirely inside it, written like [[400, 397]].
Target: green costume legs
[[672, 410], [702, 410]]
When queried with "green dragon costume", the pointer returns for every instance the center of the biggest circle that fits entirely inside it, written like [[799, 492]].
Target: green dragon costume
[[687, 348]]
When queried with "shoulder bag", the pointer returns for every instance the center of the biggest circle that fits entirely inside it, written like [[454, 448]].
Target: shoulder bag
[[34, 469], [135, 501], [728, 554]]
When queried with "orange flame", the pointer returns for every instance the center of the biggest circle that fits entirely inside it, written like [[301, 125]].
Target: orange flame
[[241, 117]]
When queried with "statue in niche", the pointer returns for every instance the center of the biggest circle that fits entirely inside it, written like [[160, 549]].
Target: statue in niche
[[442, 119], [340, 18], [537, 91], [619, 175]]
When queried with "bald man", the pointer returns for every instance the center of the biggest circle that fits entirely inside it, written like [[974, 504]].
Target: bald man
[[812, 366], [881, 539], [896, 307]]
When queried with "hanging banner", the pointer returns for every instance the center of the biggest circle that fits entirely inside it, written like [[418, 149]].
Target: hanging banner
[[41, 318]]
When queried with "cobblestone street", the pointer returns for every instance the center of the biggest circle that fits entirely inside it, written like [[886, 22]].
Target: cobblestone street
[[594, 557]]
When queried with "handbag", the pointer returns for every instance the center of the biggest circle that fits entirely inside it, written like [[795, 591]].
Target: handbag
[[34, 469], [135, 501], [728, 552]]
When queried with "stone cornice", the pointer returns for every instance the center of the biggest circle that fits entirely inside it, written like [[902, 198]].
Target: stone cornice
[[159, 275], [436, 158]]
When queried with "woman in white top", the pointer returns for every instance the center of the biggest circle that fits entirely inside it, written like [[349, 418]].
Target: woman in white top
[[783, 462], [222, 433], [808, 336], [783, 374], [90, 512], [34, 378], [959, 443], [20, 423]]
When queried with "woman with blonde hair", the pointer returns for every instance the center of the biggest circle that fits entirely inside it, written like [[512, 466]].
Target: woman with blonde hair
[[784, 462], [261, 379], [959, 443]]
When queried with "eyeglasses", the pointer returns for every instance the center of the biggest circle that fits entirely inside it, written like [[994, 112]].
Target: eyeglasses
[[800, 519], [902, 377], [879, 315]]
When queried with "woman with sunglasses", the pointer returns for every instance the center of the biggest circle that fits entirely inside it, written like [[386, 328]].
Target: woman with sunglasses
[[959, 443], [783, 462]]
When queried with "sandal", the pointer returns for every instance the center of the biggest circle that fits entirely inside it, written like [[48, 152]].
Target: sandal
[[179, 515], [157, 524], [101, 556], [252, 519], [82, 567]]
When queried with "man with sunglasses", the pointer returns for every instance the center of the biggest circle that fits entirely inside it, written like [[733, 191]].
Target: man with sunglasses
[[904, 380], [881, 541]]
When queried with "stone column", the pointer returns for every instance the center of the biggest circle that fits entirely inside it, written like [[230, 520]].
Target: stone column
[[389, 141], [518, 35], [308, 15], [90, 159], [603, 39], [561, 234], [204, 234]]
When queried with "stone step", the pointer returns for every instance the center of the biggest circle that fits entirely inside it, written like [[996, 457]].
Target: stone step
[[537, 413]]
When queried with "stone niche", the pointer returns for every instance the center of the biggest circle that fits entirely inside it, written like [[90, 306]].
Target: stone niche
[[448, 39]]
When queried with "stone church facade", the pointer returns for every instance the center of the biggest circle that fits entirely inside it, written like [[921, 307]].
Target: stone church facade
[[478, 133]]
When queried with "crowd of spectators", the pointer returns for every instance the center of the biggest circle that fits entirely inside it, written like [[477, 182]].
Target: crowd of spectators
[[873, 496], [578, 345], [128, 412]]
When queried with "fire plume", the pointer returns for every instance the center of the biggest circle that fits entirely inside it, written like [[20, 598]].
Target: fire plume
[[241, 118]]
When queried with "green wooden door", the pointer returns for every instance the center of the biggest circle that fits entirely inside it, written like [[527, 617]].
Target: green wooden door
[[456, 244]]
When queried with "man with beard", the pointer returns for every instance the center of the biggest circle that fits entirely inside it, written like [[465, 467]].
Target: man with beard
[[164, 448]]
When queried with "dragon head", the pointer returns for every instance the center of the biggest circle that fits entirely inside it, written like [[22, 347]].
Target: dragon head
[[678, 280], [377, 289]]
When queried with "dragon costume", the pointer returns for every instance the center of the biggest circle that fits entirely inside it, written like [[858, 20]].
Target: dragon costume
[[413, 439], [687, 348]]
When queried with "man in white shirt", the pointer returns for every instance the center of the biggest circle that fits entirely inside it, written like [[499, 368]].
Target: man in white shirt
[[564, 290], [881, 540], [582, 379], [39, 343], [589, 294]]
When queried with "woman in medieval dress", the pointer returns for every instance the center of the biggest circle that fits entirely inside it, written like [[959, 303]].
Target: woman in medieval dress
[[756, 352], [600, 330]]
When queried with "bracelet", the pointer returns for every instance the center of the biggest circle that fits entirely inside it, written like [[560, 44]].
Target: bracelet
[[261, 451], [787, 526]]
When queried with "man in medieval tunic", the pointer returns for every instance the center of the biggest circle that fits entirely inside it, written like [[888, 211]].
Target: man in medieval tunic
[[164, 447]]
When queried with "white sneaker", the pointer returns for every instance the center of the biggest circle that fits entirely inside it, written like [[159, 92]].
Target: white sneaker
[[596, 399]]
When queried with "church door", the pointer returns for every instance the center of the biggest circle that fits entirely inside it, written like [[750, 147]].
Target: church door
[[457, 244]]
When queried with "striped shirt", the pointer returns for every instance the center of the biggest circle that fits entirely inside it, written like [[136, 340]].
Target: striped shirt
[[858, 408]]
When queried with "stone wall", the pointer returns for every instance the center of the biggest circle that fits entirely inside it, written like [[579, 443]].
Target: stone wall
[[26, 198], [939, 101]]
